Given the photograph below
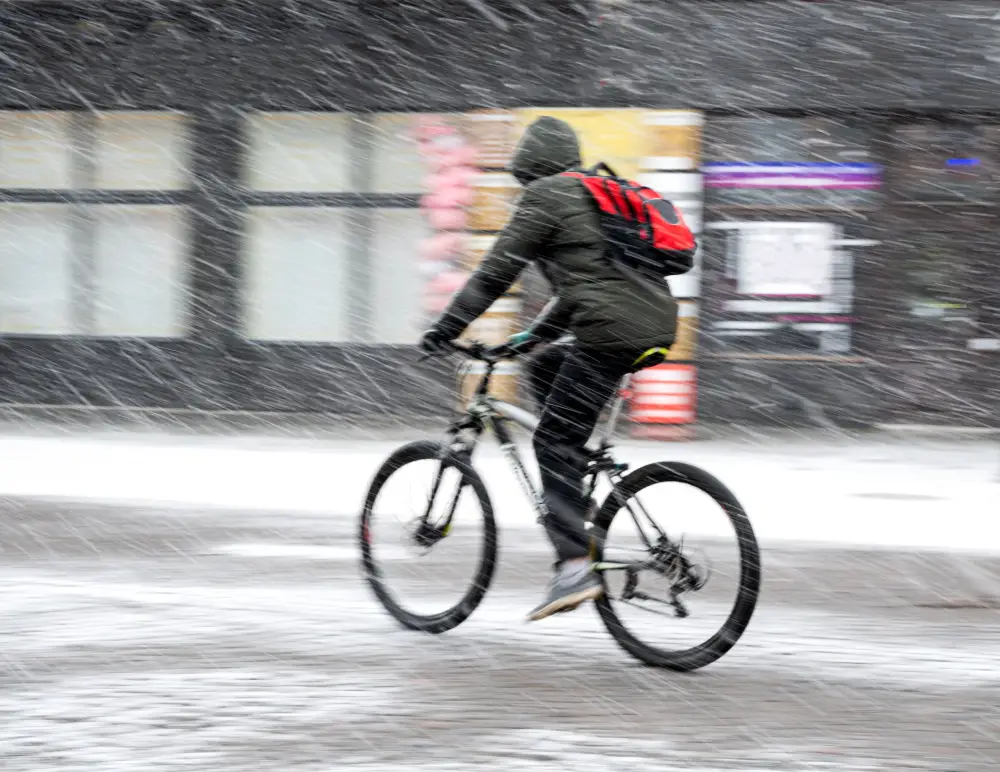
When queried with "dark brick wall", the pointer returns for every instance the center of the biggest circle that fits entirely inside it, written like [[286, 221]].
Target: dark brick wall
[[784, 54], [444, 54]]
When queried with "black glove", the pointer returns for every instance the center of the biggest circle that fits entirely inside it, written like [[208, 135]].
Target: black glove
[[435, 342]]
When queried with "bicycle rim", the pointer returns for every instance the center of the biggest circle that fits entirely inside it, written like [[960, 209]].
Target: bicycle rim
[[695, 566], [435, 582]]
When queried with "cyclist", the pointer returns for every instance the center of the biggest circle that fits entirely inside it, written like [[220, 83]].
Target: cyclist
[[619, 322]]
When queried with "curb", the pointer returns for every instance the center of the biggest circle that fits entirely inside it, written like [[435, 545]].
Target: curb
[[936, 430]]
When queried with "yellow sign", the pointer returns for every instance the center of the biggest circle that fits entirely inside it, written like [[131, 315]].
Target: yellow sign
[[617, 137], [492, 133], [687, 332], [674, 140], [493, 198]]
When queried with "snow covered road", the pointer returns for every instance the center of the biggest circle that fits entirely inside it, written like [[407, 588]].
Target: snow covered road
[[178, 604]]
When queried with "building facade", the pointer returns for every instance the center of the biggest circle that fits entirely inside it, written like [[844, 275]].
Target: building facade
[[211, 205]]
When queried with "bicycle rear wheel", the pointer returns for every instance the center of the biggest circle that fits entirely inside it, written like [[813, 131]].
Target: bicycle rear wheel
[[680, 564], [429, 560]]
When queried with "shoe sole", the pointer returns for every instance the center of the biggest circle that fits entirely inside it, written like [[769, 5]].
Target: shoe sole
[[567, 603]]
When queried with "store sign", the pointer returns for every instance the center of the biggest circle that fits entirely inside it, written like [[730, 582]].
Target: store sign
[[830, 176]]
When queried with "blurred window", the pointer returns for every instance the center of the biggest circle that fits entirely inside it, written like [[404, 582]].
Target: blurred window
[[942, 162], [334, 229], [297, 286], [36, 268], [140, 151], [396, 165], [93, 227], [398, 284], [35, 150], [140, 270], [299, 152]]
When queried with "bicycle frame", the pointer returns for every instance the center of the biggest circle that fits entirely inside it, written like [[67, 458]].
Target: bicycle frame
[[486, 411]]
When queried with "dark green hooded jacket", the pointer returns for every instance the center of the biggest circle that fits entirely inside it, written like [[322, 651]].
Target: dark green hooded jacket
[[556, 226]]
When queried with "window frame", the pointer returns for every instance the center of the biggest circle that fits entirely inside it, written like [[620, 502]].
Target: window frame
[[362, 137], [80, 197]]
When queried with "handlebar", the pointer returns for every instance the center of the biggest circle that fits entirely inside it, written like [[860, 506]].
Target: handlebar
[[483, 353]]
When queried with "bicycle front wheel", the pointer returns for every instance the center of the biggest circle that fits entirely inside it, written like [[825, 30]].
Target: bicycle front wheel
[[680, 564], [428, 538]]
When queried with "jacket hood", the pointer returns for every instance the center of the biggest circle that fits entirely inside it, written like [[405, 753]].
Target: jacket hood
[[548, 146]]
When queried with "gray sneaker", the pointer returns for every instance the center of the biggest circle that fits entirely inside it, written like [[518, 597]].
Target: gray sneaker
[[574, 583]]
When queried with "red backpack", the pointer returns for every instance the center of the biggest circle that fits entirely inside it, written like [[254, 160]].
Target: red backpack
[[643, 230]]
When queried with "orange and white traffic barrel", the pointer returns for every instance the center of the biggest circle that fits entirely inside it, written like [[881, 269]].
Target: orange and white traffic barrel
[[662, 403]]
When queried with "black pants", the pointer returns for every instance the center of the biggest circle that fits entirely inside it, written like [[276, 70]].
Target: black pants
[[573, 385]]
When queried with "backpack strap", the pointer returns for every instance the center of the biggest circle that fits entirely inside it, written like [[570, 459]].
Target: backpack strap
[[599, 167]]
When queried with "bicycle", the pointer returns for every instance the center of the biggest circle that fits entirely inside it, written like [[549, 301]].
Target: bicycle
[[686, 572]]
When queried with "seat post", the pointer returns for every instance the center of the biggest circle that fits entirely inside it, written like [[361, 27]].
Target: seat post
[[621, 395]]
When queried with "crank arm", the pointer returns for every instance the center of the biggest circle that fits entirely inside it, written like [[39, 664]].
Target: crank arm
[[680, 611], [640, 595], [613, 565]]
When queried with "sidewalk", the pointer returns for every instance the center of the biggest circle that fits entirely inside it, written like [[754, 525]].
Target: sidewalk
[[880, 490]]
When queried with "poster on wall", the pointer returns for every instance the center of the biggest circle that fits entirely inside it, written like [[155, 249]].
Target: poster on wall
[[780, 288], [785, 259]]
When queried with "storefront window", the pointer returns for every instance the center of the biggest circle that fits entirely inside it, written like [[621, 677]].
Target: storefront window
[[941, 162], [779, 279], [36, 150], [779, 288], [299, 152], [140, 291], [297, 286], [398, 281], [79, 259], [396, 165], [140, 151], [937, 287], [335, 230], [36, 269]]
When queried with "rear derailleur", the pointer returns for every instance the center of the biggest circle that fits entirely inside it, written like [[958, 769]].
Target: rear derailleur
[[670, 562]]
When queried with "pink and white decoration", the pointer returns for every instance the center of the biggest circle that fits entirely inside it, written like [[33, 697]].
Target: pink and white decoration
[[450, 161]]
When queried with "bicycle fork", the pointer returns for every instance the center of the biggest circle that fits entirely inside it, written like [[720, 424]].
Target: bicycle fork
[[459, 448]]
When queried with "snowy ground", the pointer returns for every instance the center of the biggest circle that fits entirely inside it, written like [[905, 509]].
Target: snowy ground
[[885, 491], [173, 602]]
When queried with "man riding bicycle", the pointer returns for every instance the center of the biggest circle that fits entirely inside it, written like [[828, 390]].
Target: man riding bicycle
[[620, 321]]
